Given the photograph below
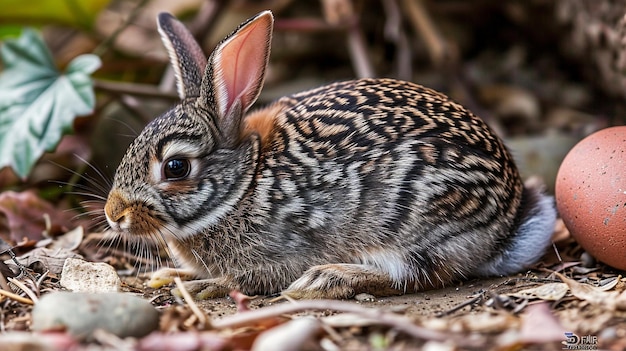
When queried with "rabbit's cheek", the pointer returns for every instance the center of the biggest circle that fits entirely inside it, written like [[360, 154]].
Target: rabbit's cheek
[[179, 190]]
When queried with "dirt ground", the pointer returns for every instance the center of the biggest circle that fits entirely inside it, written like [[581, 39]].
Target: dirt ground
[[418, 305]]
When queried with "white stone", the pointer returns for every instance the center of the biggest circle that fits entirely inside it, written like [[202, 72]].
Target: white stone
[[82, 276]]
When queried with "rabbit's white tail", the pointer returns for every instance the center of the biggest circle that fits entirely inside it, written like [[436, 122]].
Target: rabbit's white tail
[[532, 238]]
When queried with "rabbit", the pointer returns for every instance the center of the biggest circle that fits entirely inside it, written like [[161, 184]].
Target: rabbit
[[375, 186]]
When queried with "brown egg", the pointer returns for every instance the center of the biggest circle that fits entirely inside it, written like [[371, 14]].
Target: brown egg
[[591, 195]]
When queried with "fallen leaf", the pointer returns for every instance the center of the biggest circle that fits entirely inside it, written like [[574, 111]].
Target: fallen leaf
[[549, 292], [69, 241], [52, 260], [241, 300], [610, 285], [485, 322], [540, 326], [25, 211], [620, 301], [591, 294]]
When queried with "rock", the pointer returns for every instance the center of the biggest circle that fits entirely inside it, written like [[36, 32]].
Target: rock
[[82, 276], [541, 155], [81, 313], [363, 297]]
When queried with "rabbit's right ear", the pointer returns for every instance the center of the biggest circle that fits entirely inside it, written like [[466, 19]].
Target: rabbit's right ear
[[186, 56], [234, 76]]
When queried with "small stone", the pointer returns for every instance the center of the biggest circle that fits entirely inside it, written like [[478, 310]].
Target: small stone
[[80, 314], [363, 297], [94, 277]]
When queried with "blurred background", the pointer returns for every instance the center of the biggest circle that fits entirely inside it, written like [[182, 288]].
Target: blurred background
[[542, 73]]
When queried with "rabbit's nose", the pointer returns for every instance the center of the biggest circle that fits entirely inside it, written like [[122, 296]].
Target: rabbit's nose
[[116, 212]]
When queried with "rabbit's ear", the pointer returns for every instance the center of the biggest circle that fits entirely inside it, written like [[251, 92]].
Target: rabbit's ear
[[235, 73], [185, 54]]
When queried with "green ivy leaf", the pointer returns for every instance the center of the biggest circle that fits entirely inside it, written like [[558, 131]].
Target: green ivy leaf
[[38, 104]]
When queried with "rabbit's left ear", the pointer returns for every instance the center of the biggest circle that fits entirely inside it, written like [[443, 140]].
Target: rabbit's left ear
[[234, 75], [185, 54]]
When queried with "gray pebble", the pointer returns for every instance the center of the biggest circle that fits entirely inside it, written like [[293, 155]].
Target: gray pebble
[[81, 313]]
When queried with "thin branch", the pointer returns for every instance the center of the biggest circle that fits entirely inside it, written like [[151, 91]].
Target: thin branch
[[437, 47], [16, 297], [393, 32], [202, 318], [204, 21], [359, 54], [108, 42], [31, 294], [340, 14], [398, 322]]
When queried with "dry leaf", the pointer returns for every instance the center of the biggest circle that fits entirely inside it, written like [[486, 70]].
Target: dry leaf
[[25, 211], [241, 300], [540, 326], [484, 323], [52, 260], [549, 292], [620, 301], [611, 285], [68, 241], [591, 294]]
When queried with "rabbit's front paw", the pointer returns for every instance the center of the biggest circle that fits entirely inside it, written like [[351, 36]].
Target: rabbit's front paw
[[341, 281], [204, 289], [165, 276]]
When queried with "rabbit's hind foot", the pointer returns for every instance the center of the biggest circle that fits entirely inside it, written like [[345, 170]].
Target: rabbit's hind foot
[[341, 281]]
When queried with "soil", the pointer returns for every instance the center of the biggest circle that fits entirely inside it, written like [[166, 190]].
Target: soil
[[429, 303]]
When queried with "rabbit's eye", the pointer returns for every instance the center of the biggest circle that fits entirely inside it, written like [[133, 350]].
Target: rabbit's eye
[[175, 169]]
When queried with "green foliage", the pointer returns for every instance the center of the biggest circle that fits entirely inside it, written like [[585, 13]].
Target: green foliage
[[75, 13], [38, 104], [10, 31]]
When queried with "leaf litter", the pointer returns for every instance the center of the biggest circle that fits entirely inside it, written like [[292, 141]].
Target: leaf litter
[[534, 309]]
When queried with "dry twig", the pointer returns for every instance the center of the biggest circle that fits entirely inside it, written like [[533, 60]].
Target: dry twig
[[16, 297], [202, 318], [400, 323], [436, 45]]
